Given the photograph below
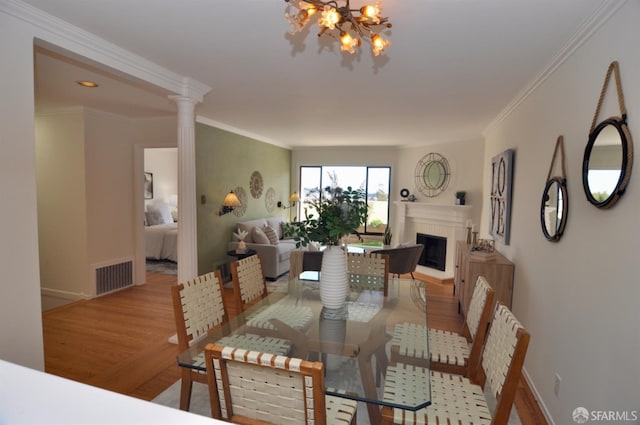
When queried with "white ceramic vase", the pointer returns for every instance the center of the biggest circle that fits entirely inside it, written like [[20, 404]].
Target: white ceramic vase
[[334, 284]]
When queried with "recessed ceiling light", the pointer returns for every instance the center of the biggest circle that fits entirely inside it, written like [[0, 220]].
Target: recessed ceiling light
[[87, 83]]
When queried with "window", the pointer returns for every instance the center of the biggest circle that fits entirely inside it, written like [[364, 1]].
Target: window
[[374, 180]]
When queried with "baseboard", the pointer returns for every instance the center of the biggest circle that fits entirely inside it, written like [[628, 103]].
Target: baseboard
[[65, 295], [537, 397]]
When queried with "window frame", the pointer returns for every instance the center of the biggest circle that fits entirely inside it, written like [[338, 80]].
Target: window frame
[[300, 209]]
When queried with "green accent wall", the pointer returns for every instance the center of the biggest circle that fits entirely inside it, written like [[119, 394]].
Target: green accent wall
[[224, 161]]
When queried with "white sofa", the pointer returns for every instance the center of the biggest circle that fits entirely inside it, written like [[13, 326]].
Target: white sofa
[[274, 256]]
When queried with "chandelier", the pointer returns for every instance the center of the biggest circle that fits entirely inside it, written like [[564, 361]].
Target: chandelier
[[352, 25]]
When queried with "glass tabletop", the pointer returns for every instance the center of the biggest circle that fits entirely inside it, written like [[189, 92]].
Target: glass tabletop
[[354, 342]]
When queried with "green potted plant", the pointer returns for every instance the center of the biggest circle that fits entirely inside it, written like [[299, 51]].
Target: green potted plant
[[460, 197], [329, 217]]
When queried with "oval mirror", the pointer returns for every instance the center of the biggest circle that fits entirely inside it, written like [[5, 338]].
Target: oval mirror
[[606, 166], [553, 209]]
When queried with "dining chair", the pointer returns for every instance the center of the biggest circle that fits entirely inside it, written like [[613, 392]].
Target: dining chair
[[368, 271], [250, 387], [249, 287], [199, 310], [458, 399], [447, 351]]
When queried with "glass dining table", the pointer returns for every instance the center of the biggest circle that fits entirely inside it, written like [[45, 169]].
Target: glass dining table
[[354, 342]]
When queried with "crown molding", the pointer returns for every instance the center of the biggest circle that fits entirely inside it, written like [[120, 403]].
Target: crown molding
[[226, 127], [57, 34], [600, 15]]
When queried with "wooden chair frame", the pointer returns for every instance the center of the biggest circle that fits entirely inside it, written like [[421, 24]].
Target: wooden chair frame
[[310, 386], [187, 331], [365, 268], [501, 363], [249, 284], [473, 331]]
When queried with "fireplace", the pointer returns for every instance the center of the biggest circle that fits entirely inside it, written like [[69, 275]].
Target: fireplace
[[434, 254], [444, 220]]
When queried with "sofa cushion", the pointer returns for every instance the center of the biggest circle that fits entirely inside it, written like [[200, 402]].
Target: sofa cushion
[[248, 226], [284, 251], [271, 234], [259, 236]]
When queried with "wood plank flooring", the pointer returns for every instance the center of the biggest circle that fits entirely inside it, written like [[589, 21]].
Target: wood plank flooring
[[119, 341]]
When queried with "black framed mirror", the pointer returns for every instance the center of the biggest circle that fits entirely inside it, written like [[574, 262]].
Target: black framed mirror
[[554, 208], [608, 158]]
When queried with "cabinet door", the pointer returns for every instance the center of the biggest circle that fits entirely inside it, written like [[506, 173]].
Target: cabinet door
[[457, 273]]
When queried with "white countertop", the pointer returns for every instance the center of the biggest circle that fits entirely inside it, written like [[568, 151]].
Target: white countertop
[[28, 396]]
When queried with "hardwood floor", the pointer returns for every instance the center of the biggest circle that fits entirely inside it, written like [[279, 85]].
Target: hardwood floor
[[119, 341]]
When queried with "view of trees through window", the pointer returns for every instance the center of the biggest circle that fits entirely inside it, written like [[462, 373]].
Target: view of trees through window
[[373, 180]]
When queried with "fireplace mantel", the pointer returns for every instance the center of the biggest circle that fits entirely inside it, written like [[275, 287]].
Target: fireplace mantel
[[435, 219]]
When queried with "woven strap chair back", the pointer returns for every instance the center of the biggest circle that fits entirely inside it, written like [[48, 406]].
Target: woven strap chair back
[[200, 300], [478, 301], [266, 387], [500, 347], [368, 271], [249, 279]]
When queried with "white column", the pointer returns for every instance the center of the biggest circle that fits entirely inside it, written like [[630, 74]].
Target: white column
[[187, 227]]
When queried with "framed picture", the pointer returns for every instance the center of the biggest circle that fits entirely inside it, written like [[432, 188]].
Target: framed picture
[[148, 185], [500, 201]]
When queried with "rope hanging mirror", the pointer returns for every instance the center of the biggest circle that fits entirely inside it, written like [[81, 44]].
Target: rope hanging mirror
[[608, 157], [555, 199], [432, 174]]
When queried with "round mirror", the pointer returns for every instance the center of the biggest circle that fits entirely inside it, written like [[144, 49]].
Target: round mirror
[[606, 167], [553, 209], [432, 174]]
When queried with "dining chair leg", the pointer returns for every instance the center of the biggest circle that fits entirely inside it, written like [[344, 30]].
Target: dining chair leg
[[185, 389]]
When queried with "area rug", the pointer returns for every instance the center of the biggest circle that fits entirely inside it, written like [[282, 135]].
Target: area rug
[[162, 267], [200, 403]]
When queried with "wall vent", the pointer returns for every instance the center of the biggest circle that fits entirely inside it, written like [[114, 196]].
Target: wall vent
[[112, 277]]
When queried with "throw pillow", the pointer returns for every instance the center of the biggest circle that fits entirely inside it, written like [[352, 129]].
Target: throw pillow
[[164, 211], [271, 234], [259, 236], [153, 218]]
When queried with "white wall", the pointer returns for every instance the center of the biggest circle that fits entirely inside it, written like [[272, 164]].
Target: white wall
[[163, 163], [109, 174], [20, 312], [62, 203], [466, 161], [578, 297]]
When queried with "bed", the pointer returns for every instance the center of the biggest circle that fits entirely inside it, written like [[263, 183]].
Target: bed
[[160, 236], [161, 242]]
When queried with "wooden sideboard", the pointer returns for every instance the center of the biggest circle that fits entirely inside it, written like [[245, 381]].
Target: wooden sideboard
[[495, 267]]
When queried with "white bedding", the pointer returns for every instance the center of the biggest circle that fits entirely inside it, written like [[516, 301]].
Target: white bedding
[[161, 242]]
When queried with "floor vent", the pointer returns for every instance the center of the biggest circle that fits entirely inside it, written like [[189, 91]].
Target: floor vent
[[113, 277]]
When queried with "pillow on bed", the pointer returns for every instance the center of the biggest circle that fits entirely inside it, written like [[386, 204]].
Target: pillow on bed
[[163, 209], [259, 236], [153, 218]]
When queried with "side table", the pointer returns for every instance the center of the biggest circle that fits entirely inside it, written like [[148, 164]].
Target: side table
[[241, 255]]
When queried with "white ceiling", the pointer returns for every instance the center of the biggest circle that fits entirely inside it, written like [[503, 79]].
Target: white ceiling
[[452, 68]]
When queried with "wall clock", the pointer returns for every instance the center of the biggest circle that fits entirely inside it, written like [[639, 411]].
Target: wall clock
[[242, 197], [255, 184], [270, 199]]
